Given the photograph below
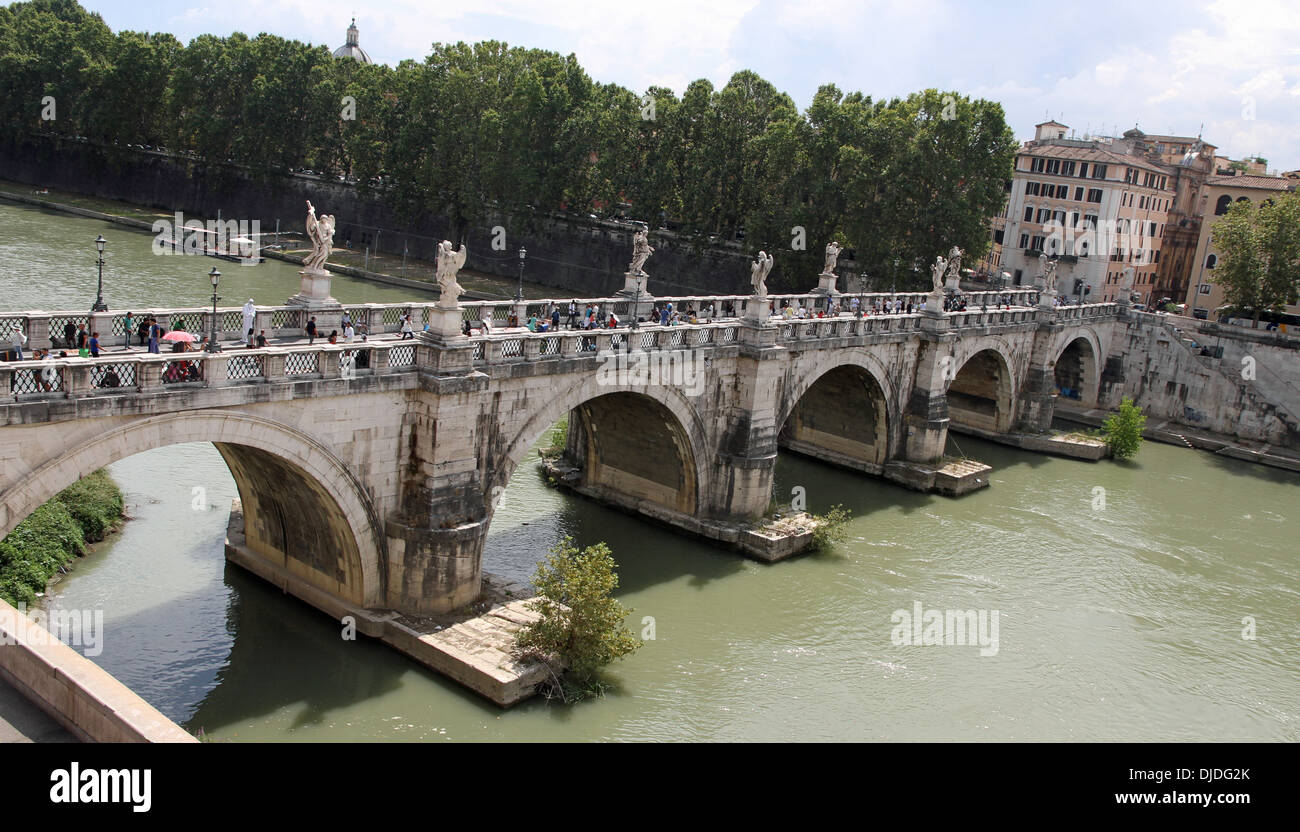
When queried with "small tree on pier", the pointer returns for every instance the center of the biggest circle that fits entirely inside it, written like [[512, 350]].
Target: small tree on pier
[[581, 624], [1123, 429]]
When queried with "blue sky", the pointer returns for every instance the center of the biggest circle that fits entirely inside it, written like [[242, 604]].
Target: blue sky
[[1232, 65]]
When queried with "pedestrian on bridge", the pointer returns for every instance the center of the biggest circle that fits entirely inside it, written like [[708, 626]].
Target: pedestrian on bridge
[[128, 326], [311, 330], [407, 331]]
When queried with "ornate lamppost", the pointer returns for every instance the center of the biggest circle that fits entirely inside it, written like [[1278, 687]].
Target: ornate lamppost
[[100, 306], [519, 293], [213, 346]]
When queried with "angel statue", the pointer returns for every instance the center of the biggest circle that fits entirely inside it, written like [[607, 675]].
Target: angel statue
[[833, 250], [937, 272], [641, 250], [321, 233], [954, 262], [758, 273], [449, 261], [1126, 282], [1048, 266]]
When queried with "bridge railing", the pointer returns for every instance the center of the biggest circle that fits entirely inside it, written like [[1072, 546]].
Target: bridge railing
[[77, 377], [45, 330]]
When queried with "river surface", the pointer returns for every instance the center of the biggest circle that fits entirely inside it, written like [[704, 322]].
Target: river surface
[[1119, 619]]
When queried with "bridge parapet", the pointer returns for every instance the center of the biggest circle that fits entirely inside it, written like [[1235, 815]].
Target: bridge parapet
[[70, 378]]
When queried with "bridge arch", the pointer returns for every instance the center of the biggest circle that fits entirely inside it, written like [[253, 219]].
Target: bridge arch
[[981, 392], [305, 512], [640, 441], [1076, 370], [841, 409]]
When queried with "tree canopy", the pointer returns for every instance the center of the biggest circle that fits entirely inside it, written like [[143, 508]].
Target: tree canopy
[[1259, 254], [476, 131]]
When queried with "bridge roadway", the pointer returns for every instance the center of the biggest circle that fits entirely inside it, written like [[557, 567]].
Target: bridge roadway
[[368, 472]]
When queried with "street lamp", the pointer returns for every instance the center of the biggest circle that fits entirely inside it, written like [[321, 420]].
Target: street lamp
[[213, 346], [100, 306], [519, 294]]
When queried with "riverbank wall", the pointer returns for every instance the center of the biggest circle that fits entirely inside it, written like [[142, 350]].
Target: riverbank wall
[[1249, 390], [574, 255]]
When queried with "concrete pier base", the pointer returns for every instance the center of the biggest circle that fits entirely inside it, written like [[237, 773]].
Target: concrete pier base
[[472, 645], [758, 539]]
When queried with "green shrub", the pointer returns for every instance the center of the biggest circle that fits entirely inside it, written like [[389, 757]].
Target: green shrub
[[581, 624], [55, 534], [96, 503], [1122, 429], [832, 528], [559, 436]]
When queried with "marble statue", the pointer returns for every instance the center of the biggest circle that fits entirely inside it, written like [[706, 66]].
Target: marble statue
[[833, 250], [954, 263], [938, 271], [641, 250], [449, 262], [1048, 266], [321, 233], [1126, 282], [758, 273]]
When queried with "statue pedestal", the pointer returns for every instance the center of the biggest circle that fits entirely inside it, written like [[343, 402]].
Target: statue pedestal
[[934, 302], [635, 291], [315, 300], [445, 324], [632, 283], [1047, 299], [758, 311], [825, 285], [314, 289]]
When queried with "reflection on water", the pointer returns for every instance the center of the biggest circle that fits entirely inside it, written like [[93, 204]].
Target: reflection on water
[[1122, 624]]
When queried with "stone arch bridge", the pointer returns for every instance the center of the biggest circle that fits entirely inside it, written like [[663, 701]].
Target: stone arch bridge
[[367, 472]]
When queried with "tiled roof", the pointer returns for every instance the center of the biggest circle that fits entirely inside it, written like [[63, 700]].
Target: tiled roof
[[1089, 154], [1265, 183]]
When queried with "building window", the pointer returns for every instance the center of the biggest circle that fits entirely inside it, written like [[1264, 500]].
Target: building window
[[1098, 171], [1221, 207], [1083, 170], [1024, 241], [1067, 168], [1037, 165], [1094, 194], [1078, 193], [1054, 166], [1203, 289], [1029, 213], [1031, 189], [1037, 243], [997, 236], [1211, 261], [1242, 199]]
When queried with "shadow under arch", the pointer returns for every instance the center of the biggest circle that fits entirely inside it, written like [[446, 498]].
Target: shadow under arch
[[305, 512], [980, 394], [1075, 371], [621, 418], [841, 415]]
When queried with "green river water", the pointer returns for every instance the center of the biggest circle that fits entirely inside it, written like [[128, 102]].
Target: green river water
[[1122, 622]]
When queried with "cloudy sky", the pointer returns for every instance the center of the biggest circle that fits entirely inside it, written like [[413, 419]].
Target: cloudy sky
[[1168, 67]]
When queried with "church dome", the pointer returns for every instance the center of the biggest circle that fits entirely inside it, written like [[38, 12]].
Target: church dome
[[352, 49]]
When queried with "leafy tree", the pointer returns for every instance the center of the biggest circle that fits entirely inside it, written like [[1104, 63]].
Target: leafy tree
[[1259, 254], [1122, 429], [580, 622]]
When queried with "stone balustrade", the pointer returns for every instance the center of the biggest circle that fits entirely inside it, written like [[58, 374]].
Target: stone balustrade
[[143, 373]]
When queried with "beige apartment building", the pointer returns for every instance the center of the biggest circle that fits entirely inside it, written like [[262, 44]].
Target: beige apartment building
[[1220, 194], [1096, 206]]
